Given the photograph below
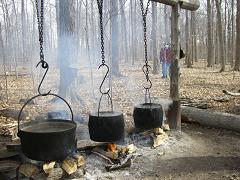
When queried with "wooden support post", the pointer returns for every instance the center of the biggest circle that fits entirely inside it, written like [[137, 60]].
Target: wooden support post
[[175, 111], [174, 115]]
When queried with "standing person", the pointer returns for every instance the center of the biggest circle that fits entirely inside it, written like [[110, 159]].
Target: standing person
[[166, 55]]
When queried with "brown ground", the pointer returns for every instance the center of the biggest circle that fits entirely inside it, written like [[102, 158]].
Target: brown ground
[[195, 153]]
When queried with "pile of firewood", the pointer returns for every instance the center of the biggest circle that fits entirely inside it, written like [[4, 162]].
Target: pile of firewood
[[7, 126], [117, 157], [72, 166]]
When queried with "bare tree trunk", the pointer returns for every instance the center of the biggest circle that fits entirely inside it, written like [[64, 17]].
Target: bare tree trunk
[[16, 39], [210, 39], [134, 37], [124, 30], [93, 32], [166, 23], [23, 30], [4, 62], [79, 28], [233, 34], [50, 29], [66, 51], [237, 61], [229, 35], [131, 31], [191, 54], [9, 35], [6, 26], [214, 33], [154, 39], [88, 50], [216, 44], [224, 31], [114, 38], [187, 57], [194, 38], [220, 34]]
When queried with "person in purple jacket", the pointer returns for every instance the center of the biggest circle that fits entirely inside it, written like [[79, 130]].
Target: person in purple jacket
[[166, 56]]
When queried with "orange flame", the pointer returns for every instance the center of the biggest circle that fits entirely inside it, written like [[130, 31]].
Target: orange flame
[[111, 147]]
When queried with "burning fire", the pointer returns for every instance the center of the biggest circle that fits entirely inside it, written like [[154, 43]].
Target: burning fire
[[111, 147]]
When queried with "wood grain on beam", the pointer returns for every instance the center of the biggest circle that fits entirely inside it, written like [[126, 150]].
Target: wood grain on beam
[[167, 2], [191, 5]]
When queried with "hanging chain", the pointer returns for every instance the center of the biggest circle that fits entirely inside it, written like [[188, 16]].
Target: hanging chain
[[106, 92], [100, 9], [40, 27], [146, 66], [43, 63], [144, 16]]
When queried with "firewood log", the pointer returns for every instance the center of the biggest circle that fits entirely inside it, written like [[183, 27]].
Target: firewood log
[[80, 160], [69, 165], [159, 139], [56, 173], [48, 167], [28, 170]]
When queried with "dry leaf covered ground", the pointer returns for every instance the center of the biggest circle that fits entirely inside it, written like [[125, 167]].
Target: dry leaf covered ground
[[199, 84], [195, 153]]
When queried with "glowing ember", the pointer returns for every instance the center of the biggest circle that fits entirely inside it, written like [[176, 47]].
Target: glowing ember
[[111, 147]]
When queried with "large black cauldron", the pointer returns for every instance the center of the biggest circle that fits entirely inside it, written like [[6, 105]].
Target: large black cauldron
[[148, 116], [106, 126], [47, 140]]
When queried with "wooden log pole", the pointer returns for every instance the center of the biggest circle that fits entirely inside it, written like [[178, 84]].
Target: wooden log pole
[[175, 110], [174, 115], [211, 119], [203, 117]]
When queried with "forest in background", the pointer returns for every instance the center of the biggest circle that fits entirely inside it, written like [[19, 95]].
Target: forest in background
[[72, 37], [209, 33], [204, 95]]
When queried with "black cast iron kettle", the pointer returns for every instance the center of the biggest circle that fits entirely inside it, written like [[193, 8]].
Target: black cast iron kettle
[[47, 140], [147, 115], [106, 126]]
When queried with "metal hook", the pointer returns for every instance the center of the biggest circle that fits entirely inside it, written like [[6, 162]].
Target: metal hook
[[145, 71], [147, 95], [100, 88], [99, 104], [44, 66], [150, 84]]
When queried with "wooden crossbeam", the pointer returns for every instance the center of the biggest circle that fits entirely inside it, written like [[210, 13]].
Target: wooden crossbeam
[[167, 2], [191, 5]]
